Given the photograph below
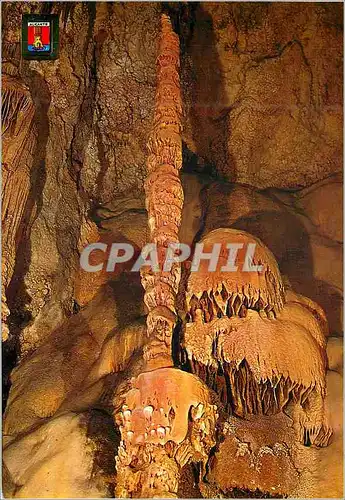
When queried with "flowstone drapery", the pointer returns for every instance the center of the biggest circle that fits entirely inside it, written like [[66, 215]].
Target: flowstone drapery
[[18, 142], [258, 351]]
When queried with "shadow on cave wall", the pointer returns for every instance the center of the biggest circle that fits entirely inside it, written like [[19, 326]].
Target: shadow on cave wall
[[17, 297], [207, 93], [289, 241], [202, 88], [286, 237]]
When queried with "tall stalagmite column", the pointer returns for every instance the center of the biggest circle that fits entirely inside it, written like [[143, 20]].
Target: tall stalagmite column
[[165, 415], [164, 200]]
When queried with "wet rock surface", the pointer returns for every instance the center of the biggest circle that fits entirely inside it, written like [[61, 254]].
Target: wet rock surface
[[262, 153]]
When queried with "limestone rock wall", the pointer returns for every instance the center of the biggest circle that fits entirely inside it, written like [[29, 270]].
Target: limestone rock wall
[[262, 95], [262, 140], [266, 108], [94, 106]]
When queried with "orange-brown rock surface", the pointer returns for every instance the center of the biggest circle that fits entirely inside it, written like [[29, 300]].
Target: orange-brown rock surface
[[267, 108], [260, 151], [19, 140]]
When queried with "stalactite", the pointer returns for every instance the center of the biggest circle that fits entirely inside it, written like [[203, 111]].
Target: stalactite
[[18, 142], [270, 352], [227, 293]]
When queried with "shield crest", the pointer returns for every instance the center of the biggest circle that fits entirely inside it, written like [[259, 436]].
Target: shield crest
[[39, 36]]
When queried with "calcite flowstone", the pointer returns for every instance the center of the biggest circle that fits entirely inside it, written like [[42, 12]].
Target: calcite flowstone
[[19, 135], [57, 460], [309, 258], [261, 453], [330, 459], [77, 355]]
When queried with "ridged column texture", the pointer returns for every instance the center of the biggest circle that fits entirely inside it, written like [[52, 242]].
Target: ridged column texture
[[164, 200]]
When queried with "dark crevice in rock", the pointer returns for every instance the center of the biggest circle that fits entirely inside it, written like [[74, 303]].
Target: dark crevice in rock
[[243, 493], [9, 360], [192, 164], [83, 127], [105, 440], [183, 20]]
